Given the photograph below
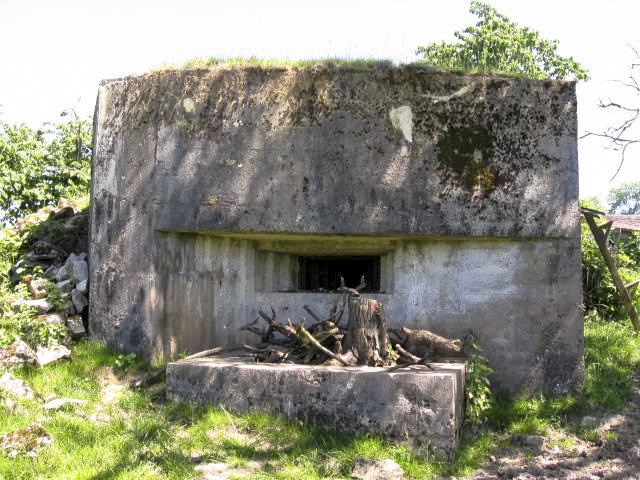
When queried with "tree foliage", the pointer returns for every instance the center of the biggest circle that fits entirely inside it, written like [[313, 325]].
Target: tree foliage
[[497, 44], [38, 167], [625, 199]]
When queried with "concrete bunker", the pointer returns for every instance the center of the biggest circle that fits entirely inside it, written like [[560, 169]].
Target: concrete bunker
[[221, 191]]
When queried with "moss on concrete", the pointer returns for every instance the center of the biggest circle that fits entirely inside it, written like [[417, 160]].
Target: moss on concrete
[[468, 152]]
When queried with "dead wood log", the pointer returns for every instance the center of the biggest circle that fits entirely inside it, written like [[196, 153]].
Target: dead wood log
[[312, 313], [250, 327], [299, 345], [328, 322], [407, 355], [428, 345], [153, 376], [349, 291]]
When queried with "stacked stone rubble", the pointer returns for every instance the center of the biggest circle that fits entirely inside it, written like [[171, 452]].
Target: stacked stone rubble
[[56, 239]]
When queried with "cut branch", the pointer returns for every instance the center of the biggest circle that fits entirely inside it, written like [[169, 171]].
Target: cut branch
[[319, 346]]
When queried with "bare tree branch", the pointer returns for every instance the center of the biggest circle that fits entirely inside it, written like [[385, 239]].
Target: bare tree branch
[[621, 136]]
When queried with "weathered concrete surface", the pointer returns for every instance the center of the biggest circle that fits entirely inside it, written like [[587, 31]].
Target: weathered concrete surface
[[288, 150], [416, 407], [208, 186]]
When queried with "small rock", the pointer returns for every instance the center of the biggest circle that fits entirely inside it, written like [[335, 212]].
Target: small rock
[[80, 272], [82, 287], [369, 469], [17, 354], [15, 273], [64, 272], [211, 470], [62, 214], [51, 272], [612, 421], [25, 440], [7, 403], [15, 386], [46, 355], [42, 256], [58, 403], [69, 308], [53, 318], [493, 459], [79, 300], [65, 202], [535, 442], [42, 247], [75, 325], [74, 269], [38, 287], [64, 286], [41, 305], [589, 422]]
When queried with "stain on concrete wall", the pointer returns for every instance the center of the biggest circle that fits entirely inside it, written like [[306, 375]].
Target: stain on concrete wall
[[209, 186]]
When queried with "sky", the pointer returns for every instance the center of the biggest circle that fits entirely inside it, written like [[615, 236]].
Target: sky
[[53, 54]]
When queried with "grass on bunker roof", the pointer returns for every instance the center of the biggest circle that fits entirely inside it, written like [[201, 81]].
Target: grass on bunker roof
[[211, 62], [123, 432], [329, 63]]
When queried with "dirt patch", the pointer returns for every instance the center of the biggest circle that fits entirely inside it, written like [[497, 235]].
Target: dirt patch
[[616, 454], [221, 471]]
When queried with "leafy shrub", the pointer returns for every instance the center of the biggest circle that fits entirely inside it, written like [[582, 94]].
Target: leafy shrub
[[478, 396], [125, 361], [38, 332]]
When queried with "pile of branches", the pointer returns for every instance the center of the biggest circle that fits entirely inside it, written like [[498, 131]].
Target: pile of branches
[[294, 343], [362, 339]]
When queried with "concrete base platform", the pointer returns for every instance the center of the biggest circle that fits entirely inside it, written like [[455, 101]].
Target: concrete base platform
[[416, 407]]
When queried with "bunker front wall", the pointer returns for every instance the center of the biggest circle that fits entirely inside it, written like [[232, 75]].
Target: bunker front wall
[[210, 188]]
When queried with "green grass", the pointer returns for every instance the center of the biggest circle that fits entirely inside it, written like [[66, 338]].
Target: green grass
[[142, 435]]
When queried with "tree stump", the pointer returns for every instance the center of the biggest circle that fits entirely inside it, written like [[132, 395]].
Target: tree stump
[[367, 331]]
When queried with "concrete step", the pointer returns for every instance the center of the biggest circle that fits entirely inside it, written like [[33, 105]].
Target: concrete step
[[416, 407]]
